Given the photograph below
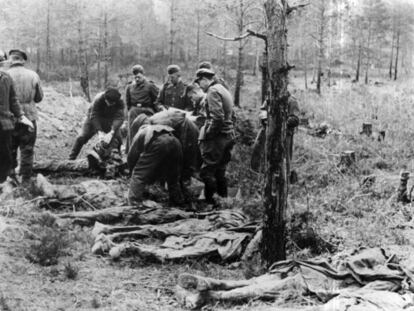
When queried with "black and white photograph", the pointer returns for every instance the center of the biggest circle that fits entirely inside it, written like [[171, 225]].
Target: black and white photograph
[[213, 155]]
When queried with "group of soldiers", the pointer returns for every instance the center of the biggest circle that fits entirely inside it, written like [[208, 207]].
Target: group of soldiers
[[180, 131], [164, 142]]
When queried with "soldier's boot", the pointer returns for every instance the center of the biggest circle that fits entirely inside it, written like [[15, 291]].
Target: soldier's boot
[[77, 147], [136, 191], [221, 182], [175, 195]]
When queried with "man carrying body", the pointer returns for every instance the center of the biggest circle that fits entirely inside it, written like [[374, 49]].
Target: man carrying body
[[140, 97], [29, 92], [9, 109], [155, 155], [216, 136], [106, 114], [173, 91]]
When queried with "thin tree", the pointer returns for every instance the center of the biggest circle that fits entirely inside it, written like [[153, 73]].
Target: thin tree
[[276, 185]]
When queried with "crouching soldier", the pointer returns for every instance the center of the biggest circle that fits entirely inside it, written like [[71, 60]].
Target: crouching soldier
[[291, 124], [217, 135], [105, 115], [155, 155]]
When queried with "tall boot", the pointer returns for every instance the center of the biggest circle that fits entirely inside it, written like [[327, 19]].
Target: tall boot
[[221, 182]]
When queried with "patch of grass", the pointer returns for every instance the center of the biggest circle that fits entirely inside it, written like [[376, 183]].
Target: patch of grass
[[3, 304], [71, 271], [49, 246]]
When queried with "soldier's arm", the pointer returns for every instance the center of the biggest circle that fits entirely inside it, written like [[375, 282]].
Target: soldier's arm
[[15, 107], [215, 106], [119, 117], [38, 90]]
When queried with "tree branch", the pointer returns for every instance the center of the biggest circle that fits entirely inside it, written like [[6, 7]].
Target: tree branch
[[290, 9], [256, 34], [228, 39]]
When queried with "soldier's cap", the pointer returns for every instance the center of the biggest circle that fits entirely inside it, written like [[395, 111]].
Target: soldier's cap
[[206, 65], [171, 69], [204, 73], [18, 52], [136, 69], [3, 56], [112, 95]]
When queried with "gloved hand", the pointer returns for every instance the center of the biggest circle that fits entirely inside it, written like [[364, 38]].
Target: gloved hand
[[292, 122], [24, 120]]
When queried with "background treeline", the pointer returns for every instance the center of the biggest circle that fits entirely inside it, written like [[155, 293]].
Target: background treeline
[[99, 40]]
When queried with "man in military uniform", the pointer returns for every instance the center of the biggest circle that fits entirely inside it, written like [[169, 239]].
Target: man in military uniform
[[291, 123], [155, 155], [140, 97], [29, 92], [173, 92], [10, 109], [216, 138], [106, 114], [208, 65]]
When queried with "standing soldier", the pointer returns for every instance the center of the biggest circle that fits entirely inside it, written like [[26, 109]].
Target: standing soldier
[[29, 92], [173, 92], [208, 65], [216, 136], [106, 114], [140, 97], [9, 108]]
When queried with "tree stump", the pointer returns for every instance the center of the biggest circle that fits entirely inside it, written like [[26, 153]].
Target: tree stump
[[347, 159], [381, 135], [402, 189], [367, 129]]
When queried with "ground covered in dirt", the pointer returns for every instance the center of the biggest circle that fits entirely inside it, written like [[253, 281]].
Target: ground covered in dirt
[[328, 201]]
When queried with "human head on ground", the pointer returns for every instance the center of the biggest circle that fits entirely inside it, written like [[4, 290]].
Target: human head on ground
[[138, 72], [112, 96], [17, 56], [174, 73], [204, 77]]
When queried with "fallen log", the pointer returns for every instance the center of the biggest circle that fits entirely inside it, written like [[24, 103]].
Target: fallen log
[[79, 166]]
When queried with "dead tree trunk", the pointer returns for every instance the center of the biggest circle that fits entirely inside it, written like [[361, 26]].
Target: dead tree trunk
[[265, 76], [105, 48], [368, 53], [321, 41], [82, 60], [172, 32], [358, 69], [396, 55], [392, 54], [239, 75], [276, 185], [48, 48]]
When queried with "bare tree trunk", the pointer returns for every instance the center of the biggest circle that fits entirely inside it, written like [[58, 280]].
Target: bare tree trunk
[[38, 59], [396, 56], [265, 76], [172, 32], [368, 54], [198, 33], [276, 186], [305, 69], [48, 48], [358, 69], [82, 59], [392, 54], [321, 40], [239, 75], [105, 48]]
